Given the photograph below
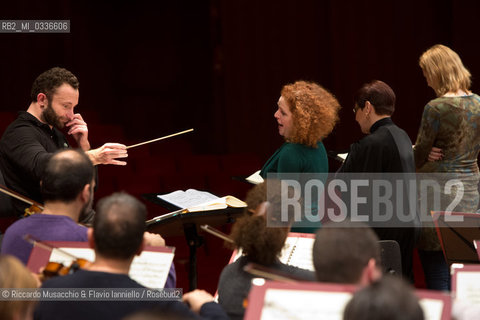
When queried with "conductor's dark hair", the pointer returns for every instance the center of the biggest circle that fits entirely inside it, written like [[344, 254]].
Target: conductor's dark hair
[[50, 80], [379, 94], [119, 226], [65, 175], [387, 299], [342, 250]]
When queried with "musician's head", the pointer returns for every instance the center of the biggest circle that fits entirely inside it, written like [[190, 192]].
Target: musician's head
[[373, 101], [261, 242], [118, 227], [56, 93], [444, 70], [68, 177], [306, 113], [13, 274], [346, 252], [390, 298]]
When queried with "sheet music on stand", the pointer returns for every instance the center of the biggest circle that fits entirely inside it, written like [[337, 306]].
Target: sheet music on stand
[[187, 222], [150, 268], [339, 156], [254, 178], [188, 198], [190, 201], [297, 251], [272, 300], [436, 305], [466, 282]]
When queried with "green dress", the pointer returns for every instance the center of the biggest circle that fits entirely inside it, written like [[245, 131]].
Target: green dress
[[298, 158]]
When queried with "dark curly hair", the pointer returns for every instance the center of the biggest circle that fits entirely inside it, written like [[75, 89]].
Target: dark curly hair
[[50, 80], [314, 111], [262, 244]]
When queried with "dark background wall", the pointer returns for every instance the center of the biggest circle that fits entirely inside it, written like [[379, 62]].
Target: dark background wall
[[148, 69], [218, 66]]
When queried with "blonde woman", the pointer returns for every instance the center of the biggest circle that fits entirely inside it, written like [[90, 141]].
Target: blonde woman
[[448, 141], [13, 274]]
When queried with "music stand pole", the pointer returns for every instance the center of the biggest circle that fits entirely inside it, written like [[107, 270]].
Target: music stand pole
[[194, 241]]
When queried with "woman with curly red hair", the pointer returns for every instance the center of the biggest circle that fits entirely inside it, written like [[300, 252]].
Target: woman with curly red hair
[[306, 114]]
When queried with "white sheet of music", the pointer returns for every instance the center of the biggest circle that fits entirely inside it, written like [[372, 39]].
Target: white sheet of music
[[468, 287], [150, 269], [255, 178], [302, 255], [290, 242], [297, 252], [295, 304], [342, 156], [432, 308], [188, 198], [82, 253]]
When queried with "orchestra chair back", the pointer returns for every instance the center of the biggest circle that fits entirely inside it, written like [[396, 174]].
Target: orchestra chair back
[[391, 257]]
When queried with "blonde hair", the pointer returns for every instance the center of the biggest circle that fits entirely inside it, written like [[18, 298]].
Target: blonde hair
[[444, 69], [314, 111], [13, 274]]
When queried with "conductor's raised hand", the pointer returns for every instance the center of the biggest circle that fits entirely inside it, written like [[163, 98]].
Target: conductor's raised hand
[[435, 154], [108, 153], [77, 127]]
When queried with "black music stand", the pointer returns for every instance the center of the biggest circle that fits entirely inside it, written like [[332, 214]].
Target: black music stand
[[456, 237], [177, 223]]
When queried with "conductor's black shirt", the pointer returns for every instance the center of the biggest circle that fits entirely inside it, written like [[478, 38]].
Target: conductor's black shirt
[[25, 147]]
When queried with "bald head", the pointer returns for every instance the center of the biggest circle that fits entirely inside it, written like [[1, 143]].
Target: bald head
[[119, 226], [65, 175]]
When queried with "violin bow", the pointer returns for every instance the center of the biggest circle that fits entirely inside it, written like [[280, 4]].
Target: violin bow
[[216, 233], [29, 238], [22, 198]]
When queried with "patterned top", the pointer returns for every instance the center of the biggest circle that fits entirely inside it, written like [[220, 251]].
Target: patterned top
[[452, 124]]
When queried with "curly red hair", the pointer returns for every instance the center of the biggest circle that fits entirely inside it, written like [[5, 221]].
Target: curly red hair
[[314, 111]]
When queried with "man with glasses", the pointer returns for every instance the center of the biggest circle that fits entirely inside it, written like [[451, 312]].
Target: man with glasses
[[385, 149]]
